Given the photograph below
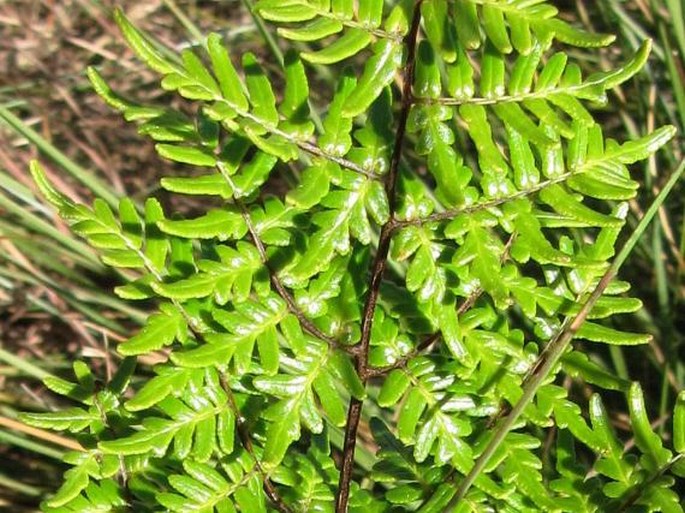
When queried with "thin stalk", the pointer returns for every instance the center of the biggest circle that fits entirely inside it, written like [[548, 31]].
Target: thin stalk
[[676, 10], [448, 215], [278, 54], [308, 325], [633, 31], [640, 489], [23, 365], [246, 442], [675, 71], [18, 486], [619, 362], [41, 434], [84, 176], [79, 252], [560, 343], [268, 37], [187, 23], [23, 193], [378, 268], [10, 438], [58, 245]]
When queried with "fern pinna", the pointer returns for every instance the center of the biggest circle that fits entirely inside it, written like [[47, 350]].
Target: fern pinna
[[388, 334]]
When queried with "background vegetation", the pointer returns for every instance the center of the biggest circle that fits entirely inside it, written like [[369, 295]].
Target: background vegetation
[[55, 296]]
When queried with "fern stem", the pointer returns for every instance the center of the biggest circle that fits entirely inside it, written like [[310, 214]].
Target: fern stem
[[379, 264], [644, 486], [246, 442], [429, 341], [478, 207], [308, 325], [560, 343]]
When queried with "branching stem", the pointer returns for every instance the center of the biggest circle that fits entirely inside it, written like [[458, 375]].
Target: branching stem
[[308, 325], [379, 264], [641, 488], [428, 342], [448, 215]]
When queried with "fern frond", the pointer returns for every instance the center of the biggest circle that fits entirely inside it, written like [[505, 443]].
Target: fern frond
[[435, 246]]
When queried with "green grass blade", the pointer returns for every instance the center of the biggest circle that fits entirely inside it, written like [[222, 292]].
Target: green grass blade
[[84, 176]]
